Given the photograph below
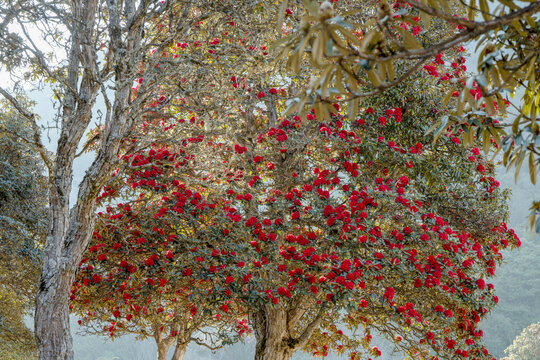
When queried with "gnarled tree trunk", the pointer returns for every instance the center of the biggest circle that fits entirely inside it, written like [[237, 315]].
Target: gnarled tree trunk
[[70, 229], [179, 351], [163, 349], [277, 329], [52, 315], [273, 338], [163, 343]]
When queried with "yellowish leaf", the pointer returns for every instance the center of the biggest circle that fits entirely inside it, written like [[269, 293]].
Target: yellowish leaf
[[532, 167]]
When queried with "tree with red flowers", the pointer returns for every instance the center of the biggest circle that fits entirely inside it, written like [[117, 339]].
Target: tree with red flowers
[[321, 226], [122, 286], [143, 57], [318, 223], [319, 234], [359, 49], [99, 50]]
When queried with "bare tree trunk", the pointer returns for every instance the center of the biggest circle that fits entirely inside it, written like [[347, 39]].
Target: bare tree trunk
[[163, 349], [179, 352], [273, 340], [69, 231], [52, 315], [58, 273], [163, 343]]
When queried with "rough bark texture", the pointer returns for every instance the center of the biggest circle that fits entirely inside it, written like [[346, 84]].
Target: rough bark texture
[[66, 228], [179, 352], [277, 329], [165, 343], [70, 229], [163, 349], [270, 327]]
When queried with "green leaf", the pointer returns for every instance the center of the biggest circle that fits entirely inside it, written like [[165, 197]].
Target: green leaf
[[510, 4], [471, 13], [317, 51], [349, 35], [501, 104], [425, 17], [486, 144], [448, 96], [519, 28], [506, 155], [327, 76], [442, 122], [390, 70], [372, 75], [409, 40], [532, 66], [281, 41], [485, 10], [515, 125], [339, 81]]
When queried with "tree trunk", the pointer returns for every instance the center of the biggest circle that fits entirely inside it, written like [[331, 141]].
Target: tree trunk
[[179, 352], [68, 236], [272, 353], [272, 336], [162, 351], [163, 342], [69, 230], [52, 316]]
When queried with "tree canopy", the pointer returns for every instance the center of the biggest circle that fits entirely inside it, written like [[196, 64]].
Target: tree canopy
[[525, 346], [358, 47], [310, 227]]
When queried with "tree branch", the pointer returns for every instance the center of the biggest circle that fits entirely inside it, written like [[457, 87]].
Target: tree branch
[[380, 88], [202, 343], [441, 14], [479, 28], [303, 339]]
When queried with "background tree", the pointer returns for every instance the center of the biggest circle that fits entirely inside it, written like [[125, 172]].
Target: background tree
[[525, 346], [23, 226]]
